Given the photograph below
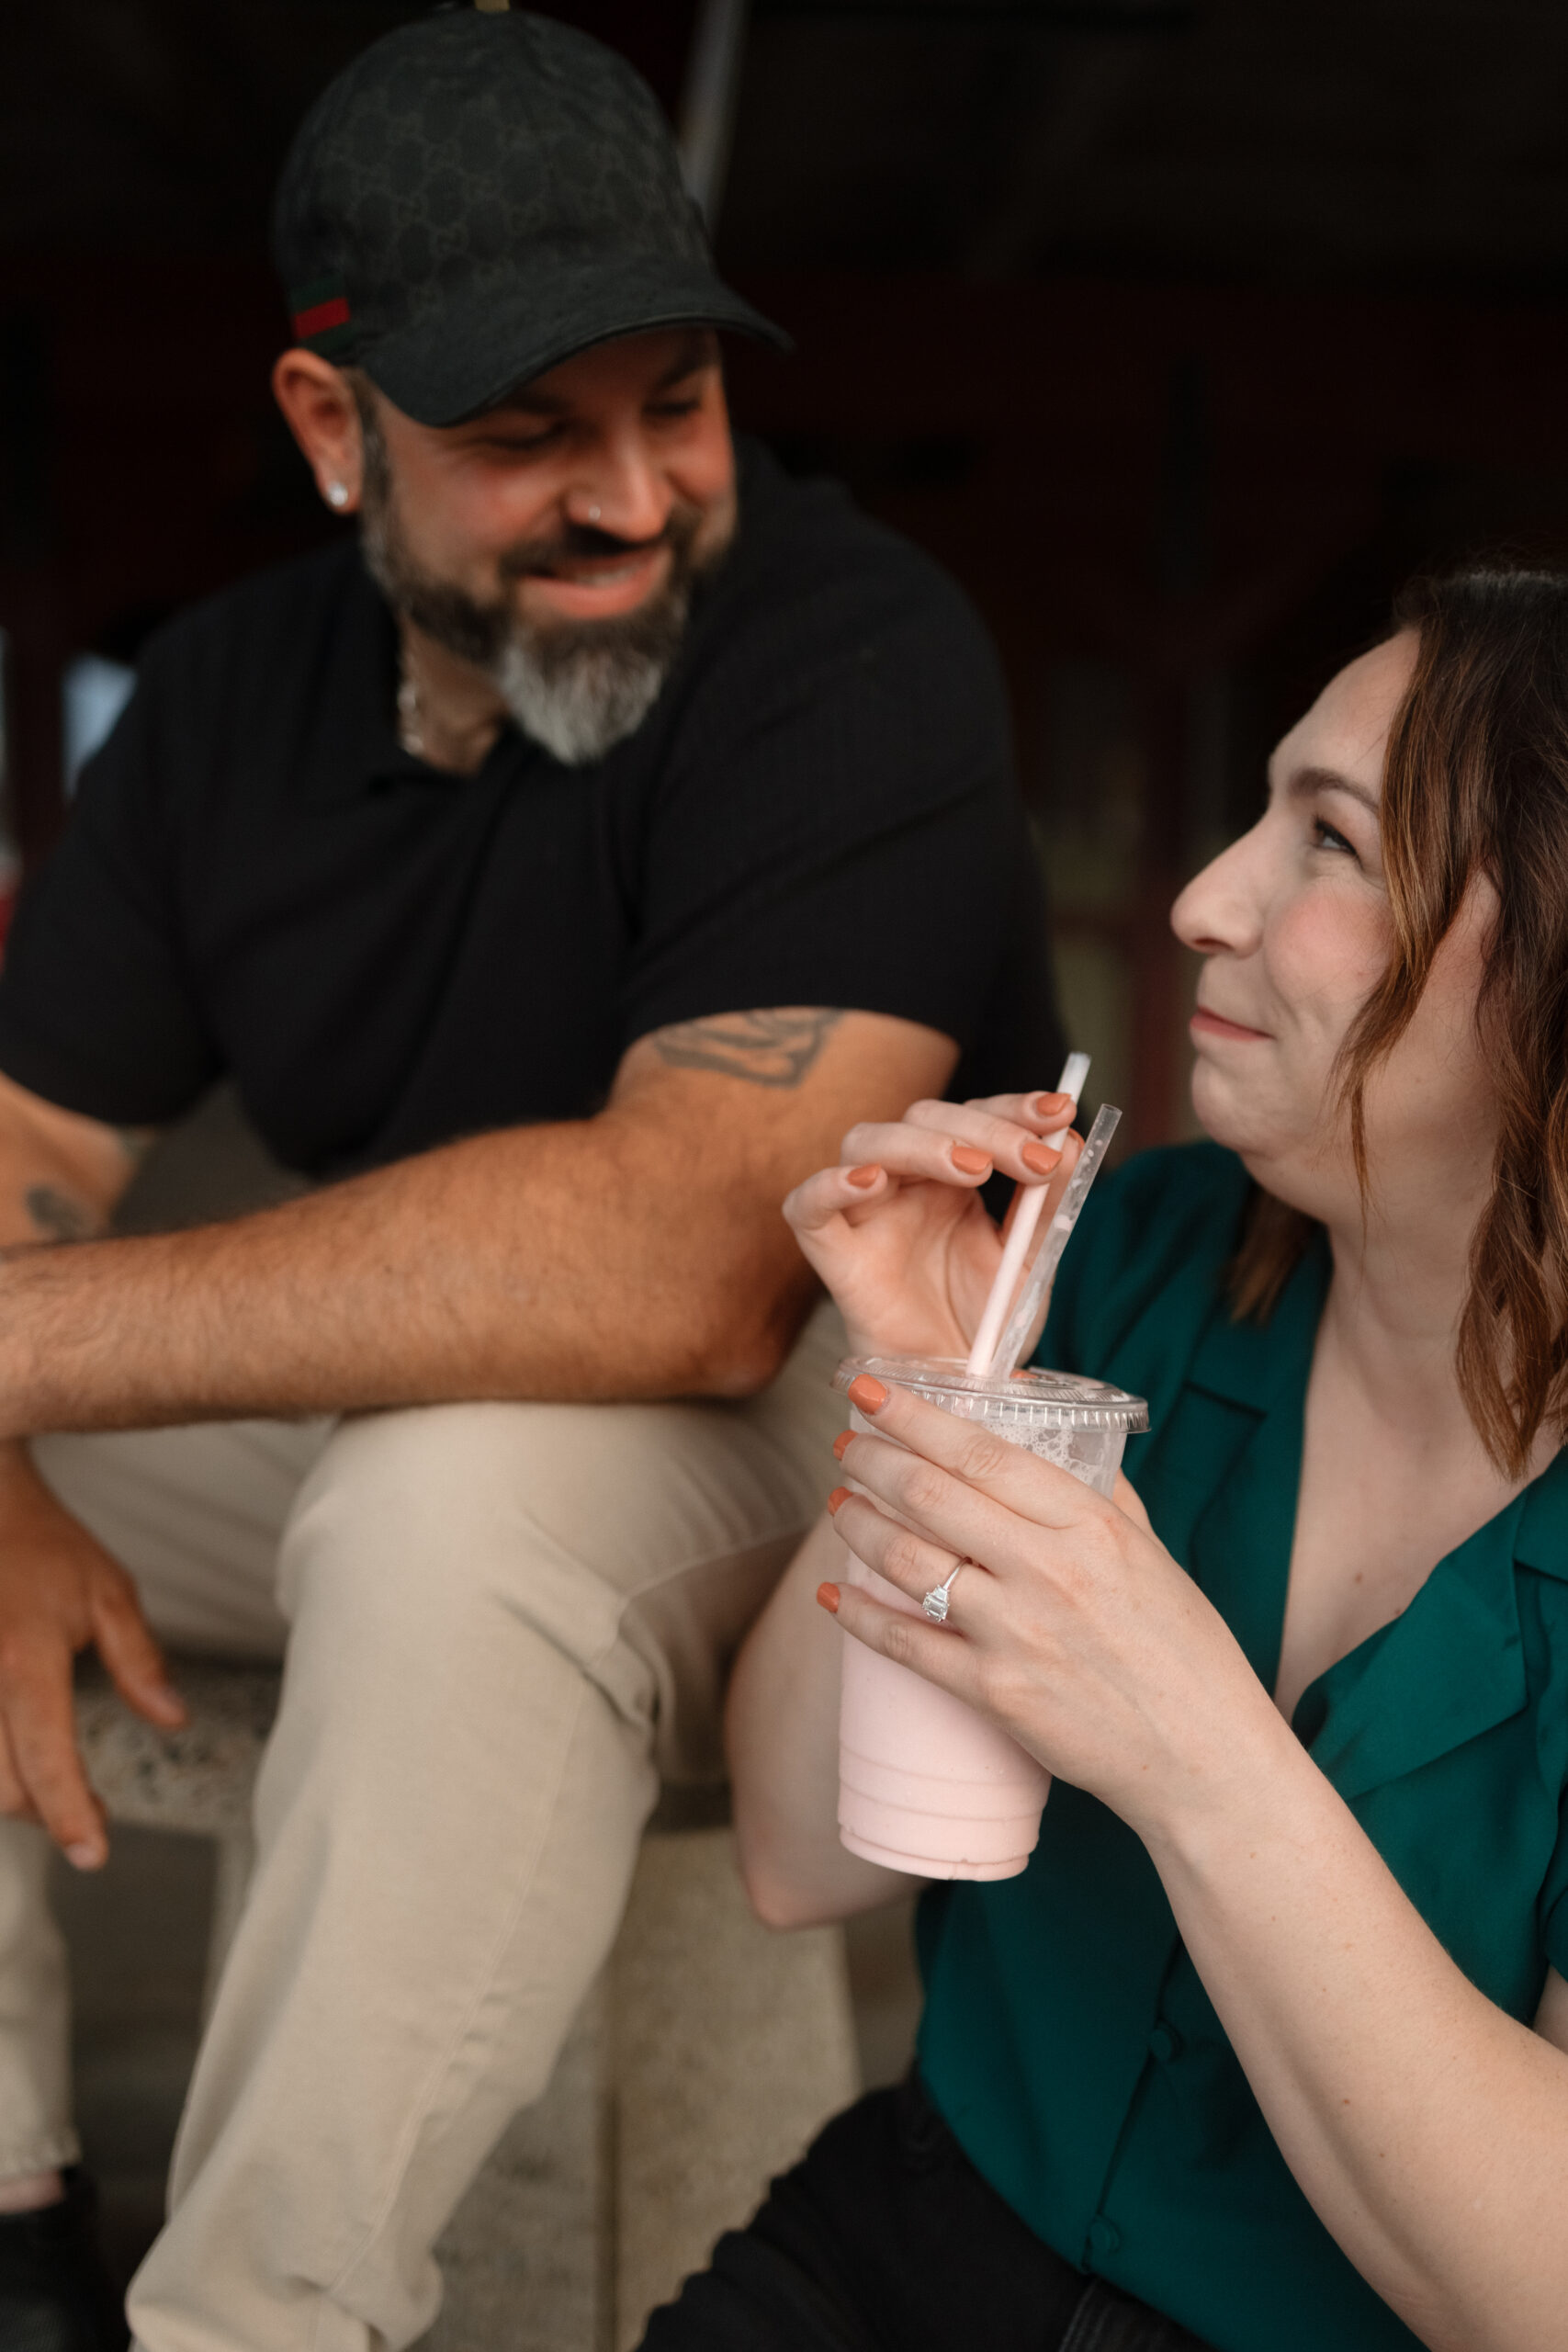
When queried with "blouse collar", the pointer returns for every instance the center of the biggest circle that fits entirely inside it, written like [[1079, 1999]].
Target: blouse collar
[[1451, 1665]]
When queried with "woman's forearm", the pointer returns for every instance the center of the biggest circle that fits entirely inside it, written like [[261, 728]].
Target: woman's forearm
[[1428, 2129], [782, 1728]]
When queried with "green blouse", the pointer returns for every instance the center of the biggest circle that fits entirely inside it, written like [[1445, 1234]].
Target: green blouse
[[1067, 2037]]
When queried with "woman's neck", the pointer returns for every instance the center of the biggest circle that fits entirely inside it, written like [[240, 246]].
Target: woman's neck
[[1391, 1334], [1394, 1475], [1391, 1318]]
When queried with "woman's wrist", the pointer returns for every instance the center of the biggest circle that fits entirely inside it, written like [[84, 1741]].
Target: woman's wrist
[[1252, 1782]]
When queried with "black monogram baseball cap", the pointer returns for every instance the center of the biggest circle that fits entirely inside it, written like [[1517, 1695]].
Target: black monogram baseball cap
[[479, 195]]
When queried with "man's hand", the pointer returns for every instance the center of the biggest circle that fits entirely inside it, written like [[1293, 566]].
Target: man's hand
[[59, 1593]]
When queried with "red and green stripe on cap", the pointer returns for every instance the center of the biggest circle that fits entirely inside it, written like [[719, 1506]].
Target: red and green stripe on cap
[[322, 321]]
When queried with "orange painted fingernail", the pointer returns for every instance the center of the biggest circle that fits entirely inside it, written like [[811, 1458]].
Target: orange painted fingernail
[[841, 1443], [838, 1496], [864, 1177], [1035, 1156], [1047, 1104], [828, 1599], [867, 1393], [973, 1162]]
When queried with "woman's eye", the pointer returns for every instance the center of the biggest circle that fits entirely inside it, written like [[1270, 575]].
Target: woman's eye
[[669, 409], [1327, 836]]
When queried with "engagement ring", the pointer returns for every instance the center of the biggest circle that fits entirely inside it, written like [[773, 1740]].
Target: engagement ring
[[935, 1603]]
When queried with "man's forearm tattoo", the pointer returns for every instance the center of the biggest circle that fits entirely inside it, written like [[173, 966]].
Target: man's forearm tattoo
[[775, 1048], [56, 1215]]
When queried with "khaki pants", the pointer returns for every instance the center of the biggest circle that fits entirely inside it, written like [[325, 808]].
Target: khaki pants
[[503, 1622]]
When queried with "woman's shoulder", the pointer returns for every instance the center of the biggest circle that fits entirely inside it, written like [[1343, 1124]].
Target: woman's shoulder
[[1161, 1228]]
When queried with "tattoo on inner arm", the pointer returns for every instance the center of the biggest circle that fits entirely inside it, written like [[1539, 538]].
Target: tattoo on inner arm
[[775, 1048], [57, 1215]]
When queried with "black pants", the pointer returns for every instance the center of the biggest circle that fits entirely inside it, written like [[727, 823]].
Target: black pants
[[884, 2238]]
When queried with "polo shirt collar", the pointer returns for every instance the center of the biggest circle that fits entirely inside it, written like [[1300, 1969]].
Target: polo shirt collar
[[1451, 1665]]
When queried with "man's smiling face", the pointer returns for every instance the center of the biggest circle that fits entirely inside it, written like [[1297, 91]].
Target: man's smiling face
[[554, 541]]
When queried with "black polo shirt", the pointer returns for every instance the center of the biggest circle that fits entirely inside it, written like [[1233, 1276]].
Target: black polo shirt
[[257, 880]]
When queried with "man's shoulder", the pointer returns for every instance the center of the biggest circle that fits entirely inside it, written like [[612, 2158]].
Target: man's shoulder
[[275, 613], [815, 589]]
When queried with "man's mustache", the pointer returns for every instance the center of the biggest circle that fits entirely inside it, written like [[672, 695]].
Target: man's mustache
[[582, 541]]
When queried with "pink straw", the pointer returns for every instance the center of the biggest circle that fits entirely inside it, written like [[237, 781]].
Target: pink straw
[[1028, 1202]]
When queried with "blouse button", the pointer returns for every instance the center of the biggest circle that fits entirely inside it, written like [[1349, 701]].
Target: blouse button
[[1104, 2238], [1165, 2043]]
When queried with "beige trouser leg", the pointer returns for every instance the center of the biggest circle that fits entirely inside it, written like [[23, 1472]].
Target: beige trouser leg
[[500, 1614], [35, 2133]]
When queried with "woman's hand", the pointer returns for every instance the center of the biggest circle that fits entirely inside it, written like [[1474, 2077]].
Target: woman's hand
[[898, 1230], [1080, 1636]]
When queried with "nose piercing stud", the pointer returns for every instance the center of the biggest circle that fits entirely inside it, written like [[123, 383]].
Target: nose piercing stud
[[336, 494], [593, 513]]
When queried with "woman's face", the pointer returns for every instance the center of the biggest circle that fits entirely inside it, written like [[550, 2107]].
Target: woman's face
[[1293, 924]]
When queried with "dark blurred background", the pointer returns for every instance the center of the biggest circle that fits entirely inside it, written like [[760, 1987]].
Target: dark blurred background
[[1179, 329]]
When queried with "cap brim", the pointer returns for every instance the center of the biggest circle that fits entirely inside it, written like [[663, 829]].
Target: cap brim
[[470, 354]]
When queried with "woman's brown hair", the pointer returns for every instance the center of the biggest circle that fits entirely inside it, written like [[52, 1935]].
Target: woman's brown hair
[[1476, 782]]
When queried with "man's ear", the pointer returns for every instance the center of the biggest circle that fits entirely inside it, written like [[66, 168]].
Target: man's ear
[[319, 409]]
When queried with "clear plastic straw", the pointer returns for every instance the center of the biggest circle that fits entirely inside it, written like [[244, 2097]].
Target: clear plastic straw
[[1038, 1280], [1028, 1202]]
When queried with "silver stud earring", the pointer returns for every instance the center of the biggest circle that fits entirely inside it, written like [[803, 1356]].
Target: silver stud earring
[[336, 494]]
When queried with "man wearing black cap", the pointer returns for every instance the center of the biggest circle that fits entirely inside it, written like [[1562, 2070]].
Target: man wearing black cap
[[556, 872]]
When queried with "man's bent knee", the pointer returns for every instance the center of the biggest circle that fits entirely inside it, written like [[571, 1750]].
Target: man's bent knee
[[614, 1532]]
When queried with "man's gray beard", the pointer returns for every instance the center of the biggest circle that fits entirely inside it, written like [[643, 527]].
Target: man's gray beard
[[580, 687], [579, 690]]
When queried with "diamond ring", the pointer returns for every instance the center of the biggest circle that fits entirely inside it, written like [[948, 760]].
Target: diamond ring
[[935, 1602]]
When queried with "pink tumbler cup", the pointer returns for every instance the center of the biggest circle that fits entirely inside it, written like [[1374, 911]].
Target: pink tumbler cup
[[925, 1784]]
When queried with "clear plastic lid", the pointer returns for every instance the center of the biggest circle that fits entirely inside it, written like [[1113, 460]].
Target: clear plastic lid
[[1040, 1400]]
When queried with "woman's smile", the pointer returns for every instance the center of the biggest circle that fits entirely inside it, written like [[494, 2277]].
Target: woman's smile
[[1207, 1024]]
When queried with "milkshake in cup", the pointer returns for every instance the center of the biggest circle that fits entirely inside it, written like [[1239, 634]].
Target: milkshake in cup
[[925, 1784]]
